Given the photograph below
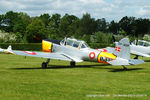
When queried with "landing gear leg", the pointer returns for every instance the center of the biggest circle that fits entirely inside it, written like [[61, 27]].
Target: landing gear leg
[[44, 64], [136, 57], [72, 64], [124, 68]]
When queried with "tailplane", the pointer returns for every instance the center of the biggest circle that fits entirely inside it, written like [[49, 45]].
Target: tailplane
[[122, 51], [9, 48]]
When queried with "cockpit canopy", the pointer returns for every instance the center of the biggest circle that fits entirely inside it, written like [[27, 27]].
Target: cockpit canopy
[[74, 43], [142, 43]]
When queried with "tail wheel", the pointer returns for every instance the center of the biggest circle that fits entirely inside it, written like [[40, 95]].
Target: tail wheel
[[72, 64], [44, 65]]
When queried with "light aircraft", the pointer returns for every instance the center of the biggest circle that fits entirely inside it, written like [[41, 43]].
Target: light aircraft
[[74, 50], [140, 48], [8, 50]]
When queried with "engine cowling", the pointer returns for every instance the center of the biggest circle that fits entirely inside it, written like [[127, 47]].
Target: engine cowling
[[46, 46], [104, 57]]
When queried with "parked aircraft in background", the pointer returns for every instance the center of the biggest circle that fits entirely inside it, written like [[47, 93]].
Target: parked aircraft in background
[[74, 50], [8, 50], [140, 48]]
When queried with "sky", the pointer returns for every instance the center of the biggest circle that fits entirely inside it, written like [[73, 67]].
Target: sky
[[108, 9]]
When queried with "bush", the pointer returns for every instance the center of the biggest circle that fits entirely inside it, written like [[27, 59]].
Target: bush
[[7, 37], [100, 37]]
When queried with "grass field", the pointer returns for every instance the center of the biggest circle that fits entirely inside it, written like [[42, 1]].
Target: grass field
[[23, 79]]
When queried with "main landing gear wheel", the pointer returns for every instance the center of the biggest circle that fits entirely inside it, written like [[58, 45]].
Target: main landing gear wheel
[[44, 64], [72, 64], [136, 57]]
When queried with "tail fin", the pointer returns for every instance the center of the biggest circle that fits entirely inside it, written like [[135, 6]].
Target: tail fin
[[9, 48], [122, 49]]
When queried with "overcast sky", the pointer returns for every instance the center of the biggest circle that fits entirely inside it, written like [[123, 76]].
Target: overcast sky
[[109, 9]]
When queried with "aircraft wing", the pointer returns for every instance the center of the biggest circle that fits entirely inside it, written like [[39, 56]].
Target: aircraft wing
[[139, 53], [57, 56]]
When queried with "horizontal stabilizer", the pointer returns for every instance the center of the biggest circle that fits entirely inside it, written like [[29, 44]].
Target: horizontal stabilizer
[[136, 61], [121, 61]]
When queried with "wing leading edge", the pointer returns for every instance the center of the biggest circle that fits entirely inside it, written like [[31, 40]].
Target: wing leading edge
[[42, 55], [56, 56]]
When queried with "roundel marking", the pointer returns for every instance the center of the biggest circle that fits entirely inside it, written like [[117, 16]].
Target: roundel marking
[[30, 52], [92, 55]]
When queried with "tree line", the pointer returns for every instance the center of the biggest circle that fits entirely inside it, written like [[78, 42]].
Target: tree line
[[34, 29]]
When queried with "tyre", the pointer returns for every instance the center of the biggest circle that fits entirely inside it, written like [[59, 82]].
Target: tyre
[[72, 63], [44, 65]]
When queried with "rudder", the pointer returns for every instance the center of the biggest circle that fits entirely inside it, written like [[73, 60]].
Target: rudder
[[122, 49]]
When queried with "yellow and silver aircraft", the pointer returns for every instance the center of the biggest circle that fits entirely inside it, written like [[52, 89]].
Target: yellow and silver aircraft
[[74, 50]]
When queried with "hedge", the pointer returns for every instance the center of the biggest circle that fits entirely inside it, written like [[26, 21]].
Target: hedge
[[100, 45], [21, 46], [38, 46]]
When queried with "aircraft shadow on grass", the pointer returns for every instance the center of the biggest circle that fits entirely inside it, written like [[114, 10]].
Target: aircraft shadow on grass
[[102, 66], [147, 60]]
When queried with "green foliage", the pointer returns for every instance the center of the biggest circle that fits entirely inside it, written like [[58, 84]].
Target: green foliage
[[101, 37], [7, 37], [87, 25], [122, 32], [86, 38], [131, 38], [21, 24], [65, 25], [102, 25], [53, 26], [114, 27], [146, 37], [141, 27], [36, 31], [127, 24], [45, 18]]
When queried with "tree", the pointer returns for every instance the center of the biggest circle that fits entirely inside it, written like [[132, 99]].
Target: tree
[[141, 27], [45, 18], [53, 26], [100, 37], [73, 28], [102, 25], [114, 27], [65, 27], [1, 22], [126, 23], [22, 23], [87, 25], [36, 31], [10, 18]]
